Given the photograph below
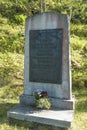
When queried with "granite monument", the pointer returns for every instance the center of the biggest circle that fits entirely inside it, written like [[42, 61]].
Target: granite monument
[[47, 66]]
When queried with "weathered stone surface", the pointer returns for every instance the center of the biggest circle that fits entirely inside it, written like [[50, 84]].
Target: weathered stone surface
[[33, 125], [49, 21], [54, 117]]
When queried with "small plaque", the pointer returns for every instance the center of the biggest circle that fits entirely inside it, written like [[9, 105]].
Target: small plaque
[[45, 51]]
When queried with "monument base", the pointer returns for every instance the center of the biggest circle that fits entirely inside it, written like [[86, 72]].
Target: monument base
[[54, 117], [55, 102]]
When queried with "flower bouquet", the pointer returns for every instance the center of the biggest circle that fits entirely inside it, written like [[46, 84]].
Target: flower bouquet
[[42, 100]]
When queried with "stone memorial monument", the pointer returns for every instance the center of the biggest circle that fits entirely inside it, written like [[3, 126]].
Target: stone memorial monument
[[47, 67]]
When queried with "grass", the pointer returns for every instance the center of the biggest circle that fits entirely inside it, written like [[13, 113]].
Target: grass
[[11, 86], [11, 36], [10, 91], [80, 116], [79, 61]]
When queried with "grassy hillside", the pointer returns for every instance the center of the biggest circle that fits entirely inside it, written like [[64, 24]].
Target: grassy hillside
[[11, 36], [12, 64], [79, 55]]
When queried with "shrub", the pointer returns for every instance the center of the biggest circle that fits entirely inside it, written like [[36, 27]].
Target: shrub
[[19, 19]]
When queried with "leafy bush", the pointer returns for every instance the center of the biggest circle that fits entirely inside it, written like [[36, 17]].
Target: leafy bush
[[19, 19], [10, 8], [76, 9]]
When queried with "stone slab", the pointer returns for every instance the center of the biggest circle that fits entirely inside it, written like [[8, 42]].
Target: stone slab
[[53, 117]]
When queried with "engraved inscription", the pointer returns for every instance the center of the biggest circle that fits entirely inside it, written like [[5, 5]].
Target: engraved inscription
[[46, 56]]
